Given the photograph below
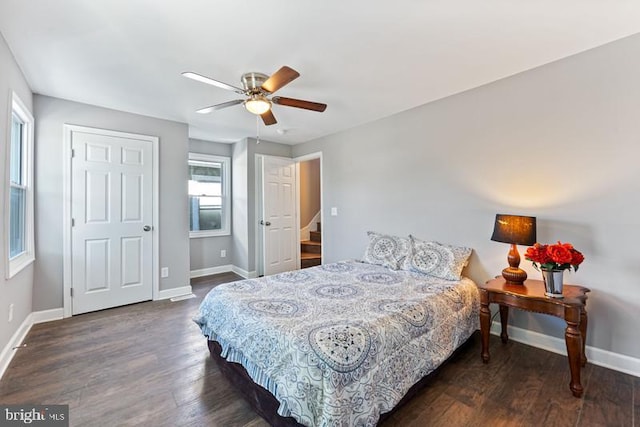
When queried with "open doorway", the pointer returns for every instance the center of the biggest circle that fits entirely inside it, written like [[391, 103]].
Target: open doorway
[[310, 211]]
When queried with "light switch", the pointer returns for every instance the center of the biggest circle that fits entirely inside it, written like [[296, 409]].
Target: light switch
[[334, 211]]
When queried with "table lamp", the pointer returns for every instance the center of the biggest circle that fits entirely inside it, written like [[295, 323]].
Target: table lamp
[[515, 230]]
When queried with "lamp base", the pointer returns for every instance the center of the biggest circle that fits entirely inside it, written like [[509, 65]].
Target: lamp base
[[514, 276]]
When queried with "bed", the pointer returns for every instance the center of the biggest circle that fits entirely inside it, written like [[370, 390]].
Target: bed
[[338, 344]]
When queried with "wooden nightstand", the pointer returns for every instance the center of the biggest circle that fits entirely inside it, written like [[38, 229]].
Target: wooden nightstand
[[530, 297]]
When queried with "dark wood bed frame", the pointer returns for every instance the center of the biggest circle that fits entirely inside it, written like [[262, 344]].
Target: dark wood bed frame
[[266, 405]]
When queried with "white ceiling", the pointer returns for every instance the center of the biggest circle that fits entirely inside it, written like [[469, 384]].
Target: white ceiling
[[365, 59]]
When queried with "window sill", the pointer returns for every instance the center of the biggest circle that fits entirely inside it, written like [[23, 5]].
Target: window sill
[[19, 263], [201, 234]]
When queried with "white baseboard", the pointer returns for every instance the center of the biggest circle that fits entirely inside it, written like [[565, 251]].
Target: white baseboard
[[174, 292], [607, 359], [224, 269], [47, 315], [244, 273], [16, 339], [211, 270]]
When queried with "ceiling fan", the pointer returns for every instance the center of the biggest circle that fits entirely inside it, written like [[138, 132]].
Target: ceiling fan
[[257, 87]]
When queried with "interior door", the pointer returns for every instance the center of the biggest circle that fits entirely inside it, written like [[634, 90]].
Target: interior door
[[279, 215], [111, 209]]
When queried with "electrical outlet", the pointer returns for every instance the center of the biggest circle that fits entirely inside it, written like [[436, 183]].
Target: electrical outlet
[[164, 272], [10, 312], [223, 253]]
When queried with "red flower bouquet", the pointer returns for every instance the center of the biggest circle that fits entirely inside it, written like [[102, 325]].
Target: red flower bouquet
[[560, 256]]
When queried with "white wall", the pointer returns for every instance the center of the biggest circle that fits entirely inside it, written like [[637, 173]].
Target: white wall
[[18, 290], [560, 142], [51, 114]]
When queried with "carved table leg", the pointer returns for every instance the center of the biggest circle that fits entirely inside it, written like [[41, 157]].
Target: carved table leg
[[485, 319], [583, 332], [504, 319], [573, 338]]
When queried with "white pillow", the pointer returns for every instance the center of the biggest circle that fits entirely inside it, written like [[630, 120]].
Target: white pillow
[[436, 259], [385, 250]]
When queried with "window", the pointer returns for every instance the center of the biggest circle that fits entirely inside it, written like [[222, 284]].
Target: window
[[19, 203], [209, 195]]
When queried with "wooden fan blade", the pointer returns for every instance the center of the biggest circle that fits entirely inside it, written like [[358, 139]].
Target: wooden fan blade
[[299, 103], [207, 110], [283, 76], [200, 78], [268, 118]]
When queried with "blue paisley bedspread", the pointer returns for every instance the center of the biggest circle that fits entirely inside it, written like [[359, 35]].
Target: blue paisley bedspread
[[339, 344]]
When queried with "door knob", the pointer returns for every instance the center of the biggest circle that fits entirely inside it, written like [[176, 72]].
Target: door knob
[[265, 223], [147, 228]]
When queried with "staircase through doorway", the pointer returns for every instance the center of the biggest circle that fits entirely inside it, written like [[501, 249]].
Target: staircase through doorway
[[311, 250]]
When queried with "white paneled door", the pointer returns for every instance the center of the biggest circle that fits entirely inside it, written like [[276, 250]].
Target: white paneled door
[[111, 229], [279, 222]]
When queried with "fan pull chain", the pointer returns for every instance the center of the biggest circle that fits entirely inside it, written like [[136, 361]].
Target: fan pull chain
[[257, 129]]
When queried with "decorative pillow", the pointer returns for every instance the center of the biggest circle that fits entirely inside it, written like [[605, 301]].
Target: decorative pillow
[[388, 251], [436, 259]]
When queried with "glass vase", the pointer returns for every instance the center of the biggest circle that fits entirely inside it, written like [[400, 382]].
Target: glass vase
[[553, 280]]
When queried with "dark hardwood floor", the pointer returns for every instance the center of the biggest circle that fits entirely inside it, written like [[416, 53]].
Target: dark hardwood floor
[[147, 364]]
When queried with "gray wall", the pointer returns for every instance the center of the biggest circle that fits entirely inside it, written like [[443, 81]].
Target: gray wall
[[560, 142], [205, 251], [243, 183], [240, 205], [51, 114], [18, 290], [309, 190], [265, 148], [210, 147]]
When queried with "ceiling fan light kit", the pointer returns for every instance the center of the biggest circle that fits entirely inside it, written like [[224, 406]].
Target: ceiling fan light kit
[[257, 104], [257, 87]]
